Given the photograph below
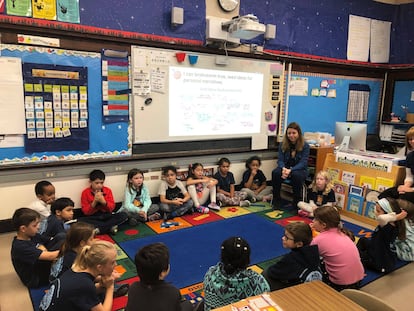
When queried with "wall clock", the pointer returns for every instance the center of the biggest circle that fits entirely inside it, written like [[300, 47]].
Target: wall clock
[[228, 5]]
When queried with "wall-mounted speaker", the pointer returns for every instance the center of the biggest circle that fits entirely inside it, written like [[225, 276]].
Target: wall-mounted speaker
[[270, 32], [177, 16]]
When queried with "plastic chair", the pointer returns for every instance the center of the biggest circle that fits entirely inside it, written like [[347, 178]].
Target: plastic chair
[[367, 301]]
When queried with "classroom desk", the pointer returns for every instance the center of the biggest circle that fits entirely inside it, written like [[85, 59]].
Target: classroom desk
[[310, 296]]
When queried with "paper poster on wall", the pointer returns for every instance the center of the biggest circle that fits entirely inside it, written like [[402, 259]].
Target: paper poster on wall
[[158, 80], [380, 41], [358, 38], [298, 86], [11, 96], [141, 83], [68, 11], [45, 9], [19, 8]]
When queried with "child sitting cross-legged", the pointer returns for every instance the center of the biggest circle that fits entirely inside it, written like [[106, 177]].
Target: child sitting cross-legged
[[174, 198], [301, 265], [254, 181], [58, 222], [30, 258], [320, 192], [98, 205], [137, 200], [201, 189], [226, 193]]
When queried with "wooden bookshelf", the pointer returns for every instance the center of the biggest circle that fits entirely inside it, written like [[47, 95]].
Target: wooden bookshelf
[[397, 174], [317, 157]]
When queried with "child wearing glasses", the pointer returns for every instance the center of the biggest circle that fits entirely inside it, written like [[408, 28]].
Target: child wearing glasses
[[301, 265]]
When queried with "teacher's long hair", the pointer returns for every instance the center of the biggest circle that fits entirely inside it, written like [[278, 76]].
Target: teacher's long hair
[[286, 145]]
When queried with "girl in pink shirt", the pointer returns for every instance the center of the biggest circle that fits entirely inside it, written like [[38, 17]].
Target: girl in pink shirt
[[339, 253]]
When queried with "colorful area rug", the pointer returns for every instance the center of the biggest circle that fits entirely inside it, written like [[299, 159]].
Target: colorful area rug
[[194, 243]]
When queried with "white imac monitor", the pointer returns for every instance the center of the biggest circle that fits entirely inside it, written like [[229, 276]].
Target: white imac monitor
[[351, 136]]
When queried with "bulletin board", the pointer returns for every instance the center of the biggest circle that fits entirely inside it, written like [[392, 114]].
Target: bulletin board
[[84, 135], [208, 108], [325, 100]]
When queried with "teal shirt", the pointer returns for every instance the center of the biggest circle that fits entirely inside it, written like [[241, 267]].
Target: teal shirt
[[128, 205], [221, 289]]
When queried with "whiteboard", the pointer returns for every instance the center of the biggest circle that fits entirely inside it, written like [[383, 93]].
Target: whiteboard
[[159, 117]]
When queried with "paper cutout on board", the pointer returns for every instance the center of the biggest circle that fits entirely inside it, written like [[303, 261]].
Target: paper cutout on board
[[44, 9], [12, 114], [68, 11], [19, 8]]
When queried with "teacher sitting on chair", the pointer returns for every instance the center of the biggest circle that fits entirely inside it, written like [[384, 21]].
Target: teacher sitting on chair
[[292, 164]]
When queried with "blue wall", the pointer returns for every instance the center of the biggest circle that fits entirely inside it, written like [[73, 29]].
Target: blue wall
[[311, 27], [402, 97], [319, 114]]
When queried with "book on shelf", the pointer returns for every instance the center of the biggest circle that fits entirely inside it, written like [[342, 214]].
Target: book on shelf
[[355, 203], [367, 182], [357, 190], [382, 183], [334, 173], [348, 177], [341, 190], [370, 209]]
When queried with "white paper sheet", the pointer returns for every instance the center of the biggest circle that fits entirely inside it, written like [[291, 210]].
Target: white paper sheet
[[12, 114], [380, 41], [358, 38], [259, 142]]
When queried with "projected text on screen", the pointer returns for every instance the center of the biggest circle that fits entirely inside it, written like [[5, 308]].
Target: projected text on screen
[[214, 102]]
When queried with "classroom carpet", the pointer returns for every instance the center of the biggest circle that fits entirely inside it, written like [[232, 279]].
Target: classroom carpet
[[194, 243]]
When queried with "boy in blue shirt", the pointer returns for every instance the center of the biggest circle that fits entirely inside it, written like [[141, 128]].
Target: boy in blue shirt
[[31, 260], [62, 212]]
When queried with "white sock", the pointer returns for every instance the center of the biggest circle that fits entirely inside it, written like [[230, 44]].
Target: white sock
[[305, 206]]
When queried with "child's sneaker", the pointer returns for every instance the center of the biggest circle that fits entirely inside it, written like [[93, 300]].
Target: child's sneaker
[[154, 216], [267, 198], [120, 290], [245, 203], [303, 213], [202, 209], [132, 221], [214, 206], [113, 230]]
